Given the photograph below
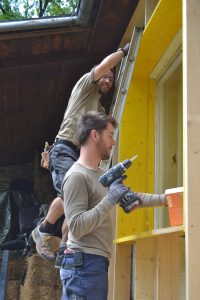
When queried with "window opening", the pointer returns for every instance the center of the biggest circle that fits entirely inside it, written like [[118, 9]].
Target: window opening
[[169, 135], [16, 10]]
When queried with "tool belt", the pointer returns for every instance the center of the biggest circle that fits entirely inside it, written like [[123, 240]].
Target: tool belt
[[75, 148], [45, 154]]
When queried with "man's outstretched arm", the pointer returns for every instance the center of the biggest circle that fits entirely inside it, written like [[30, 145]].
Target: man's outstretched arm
[[110, 61]]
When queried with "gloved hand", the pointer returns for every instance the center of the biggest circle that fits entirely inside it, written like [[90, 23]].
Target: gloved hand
[[117, 190], [126, 48]]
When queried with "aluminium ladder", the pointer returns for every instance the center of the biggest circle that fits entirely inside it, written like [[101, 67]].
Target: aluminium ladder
[[122, 85]]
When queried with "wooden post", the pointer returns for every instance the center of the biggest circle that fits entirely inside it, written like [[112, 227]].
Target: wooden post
[[191, 111]]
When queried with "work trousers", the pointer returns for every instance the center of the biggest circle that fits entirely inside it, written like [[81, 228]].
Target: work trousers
[[61, 158], [84, 277]]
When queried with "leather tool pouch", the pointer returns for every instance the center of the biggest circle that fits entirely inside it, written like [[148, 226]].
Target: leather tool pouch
[[45, 156], [45, 160]]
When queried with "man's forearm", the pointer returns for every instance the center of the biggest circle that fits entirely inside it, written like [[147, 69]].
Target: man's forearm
[[108, 63], [152, 200]]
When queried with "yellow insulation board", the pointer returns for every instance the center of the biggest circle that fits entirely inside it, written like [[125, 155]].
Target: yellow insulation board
[[164, 23], [137, 137], [137, 128]]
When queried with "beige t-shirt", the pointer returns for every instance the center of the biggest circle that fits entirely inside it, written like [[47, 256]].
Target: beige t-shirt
[[87, 211], [84, 97]]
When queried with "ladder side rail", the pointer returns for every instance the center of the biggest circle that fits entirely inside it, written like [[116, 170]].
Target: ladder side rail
[[125, 75], [118, 83]]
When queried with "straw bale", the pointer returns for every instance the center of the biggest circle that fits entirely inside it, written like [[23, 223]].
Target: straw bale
[[16, 268], [13, 289], [42, 281], [43, 185]]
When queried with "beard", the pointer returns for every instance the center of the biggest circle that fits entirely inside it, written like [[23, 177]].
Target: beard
[[104, 88], [103, 150]]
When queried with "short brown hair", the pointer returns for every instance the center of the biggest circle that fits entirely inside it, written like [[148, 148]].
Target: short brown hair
[[93, 120]]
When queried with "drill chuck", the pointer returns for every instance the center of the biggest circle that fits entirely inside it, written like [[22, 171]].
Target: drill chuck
[[115, 172]]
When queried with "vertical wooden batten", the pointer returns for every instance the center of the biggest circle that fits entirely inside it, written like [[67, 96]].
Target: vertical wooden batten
[[191, 115]]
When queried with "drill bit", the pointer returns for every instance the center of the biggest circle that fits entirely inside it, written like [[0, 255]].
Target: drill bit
[[134, 157]]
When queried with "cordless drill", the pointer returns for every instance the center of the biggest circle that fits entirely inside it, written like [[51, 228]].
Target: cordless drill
[[130, 201]]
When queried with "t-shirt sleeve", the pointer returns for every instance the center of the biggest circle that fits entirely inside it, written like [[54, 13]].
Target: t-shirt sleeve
[[80, 220], [86, 82]]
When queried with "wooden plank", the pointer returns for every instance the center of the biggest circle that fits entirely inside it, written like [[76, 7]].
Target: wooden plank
[[111, 275], [170, 267], [145, 270], [160, 268], [151, 233], [191, 141], [122, 279]]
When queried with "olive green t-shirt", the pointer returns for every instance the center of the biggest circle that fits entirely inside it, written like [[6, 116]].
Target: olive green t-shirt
[[87, 211], [84, 97]]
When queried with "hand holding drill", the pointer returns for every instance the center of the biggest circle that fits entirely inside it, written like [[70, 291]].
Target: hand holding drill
[[127, 199], [117, 190]]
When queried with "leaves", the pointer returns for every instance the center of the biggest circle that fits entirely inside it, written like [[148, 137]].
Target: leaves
[[28, 9]]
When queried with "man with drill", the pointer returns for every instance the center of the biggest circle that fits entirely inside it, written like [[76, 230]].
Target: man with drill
[[87, 206], [85, 96]]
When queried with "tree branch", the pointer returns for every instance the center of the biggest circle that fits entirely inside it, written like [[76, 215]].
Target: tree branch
[[3, 10], [42, 10]]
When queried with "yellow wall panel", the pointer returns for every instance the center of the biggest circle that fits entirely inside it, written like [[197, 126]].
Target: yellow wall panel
[[137, 137], [137, 131], [160, 30]]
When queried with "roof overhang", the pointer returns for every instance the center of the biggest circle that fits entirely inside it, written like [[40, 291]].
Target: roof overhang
[[86, 13]]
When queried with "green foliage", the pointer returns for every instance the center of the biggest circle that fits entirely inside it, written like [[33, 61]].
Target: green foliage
[[28, 9]]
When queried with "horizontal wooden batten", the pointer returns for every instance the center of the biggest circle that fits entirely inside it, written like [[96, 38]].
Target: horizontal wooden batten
[[151, 233]]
